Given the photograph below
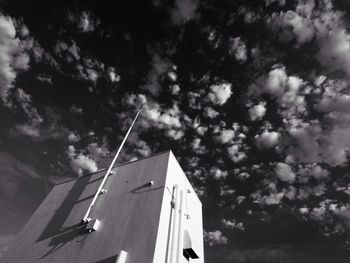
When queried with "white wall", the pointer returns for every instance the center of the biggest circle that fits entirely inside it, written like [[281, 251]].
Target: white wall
[[191, 206]]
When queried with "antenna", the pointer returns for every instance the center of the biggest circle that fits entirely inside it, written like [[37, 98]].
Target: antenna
[[86, 219]]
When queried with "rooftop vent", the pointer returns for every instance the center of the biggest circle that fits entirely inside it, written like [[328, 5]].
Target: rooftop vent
[[190, 249]]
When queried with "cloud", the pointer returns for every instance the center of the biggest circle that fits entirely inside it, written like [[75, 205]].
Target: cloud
[[313, 170], [32, 127], [232, 224], [28, 130], [73, 137], [284, 172], [218, 173], [210, 112], [238, 49], [183, 11], [276, 81], [197, 147], [175, 89], [172, 76], [80, 162], [257, 112], [235, 153], [162, 119], [273, 199], [112, 74], [155, 116], [215, 238], [270, 2], [291, 24], [267, 139], [87, 23], [68, 51], [224, 136], [159, 67], [313, 143], [13, 55], [320, 23], [220, 93], [45, 78], [334, 41]]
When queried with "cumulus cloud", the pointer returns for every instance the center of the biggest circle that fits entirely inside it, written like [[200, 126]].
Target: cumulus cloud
[[276, 81], [270, 2], [313, 143], [287, 91], [273, 199], [210, 112], [166, 118], [220, 93], [80, 162], [175, 89], [312, 170], [73, 137], [257, 112], [218, 173], [113, 75], [197, 146], [232, 224], [284, 172], [235, 153], [215, 238], [13, 55], [32, 126], [334, 41], [28, 130], [183, 11], [321, 23], [224, 136], [160, 66], [69, 51], [87, 22], [156, 117], [267, 139], [238, 49], [291, 24]]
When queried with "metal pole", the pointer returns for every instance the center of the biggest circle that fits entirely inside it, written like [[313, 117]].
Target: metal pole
[[100, 189]]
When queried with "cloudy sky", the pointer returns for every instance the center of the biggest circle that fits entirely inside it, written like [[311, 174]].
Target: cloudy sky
[[253, 97]]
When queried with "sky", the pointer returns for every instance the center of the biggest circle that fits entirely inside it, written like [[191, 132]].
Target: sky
[[252, 97]]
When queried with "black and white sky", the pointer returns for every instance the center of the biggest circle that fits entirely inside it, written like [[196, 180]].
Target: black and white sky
[[253, 97]]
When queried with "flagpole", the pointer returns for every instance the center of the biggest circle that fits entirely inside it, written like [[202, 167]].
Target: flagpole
[[100, 189]]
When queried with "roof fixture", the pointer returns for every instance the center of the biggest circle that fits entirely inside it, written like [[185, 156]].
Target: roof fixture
[[122, 257], [93, 225]]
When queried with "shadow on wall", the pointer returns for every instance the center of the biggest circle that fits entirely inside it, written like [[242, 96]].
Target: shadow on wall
[[54, 230], [111, 259]]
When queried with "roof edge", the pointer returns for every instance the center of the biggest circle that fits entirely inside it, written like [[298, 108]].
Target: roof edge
[[115, 166]]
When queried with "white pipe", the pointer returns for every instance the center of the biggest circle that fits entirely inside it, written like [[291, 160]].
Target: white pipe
[[99, 190], [180, 237], [172, 254]]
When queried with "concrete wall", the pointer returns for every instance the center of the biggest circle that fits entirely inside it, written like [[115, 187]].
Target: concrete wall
[[129, 213], [135, 217], [191, 207]]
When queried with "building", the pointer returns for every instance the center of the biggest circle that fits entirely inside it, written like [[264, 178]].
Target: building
[[149, 214]]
